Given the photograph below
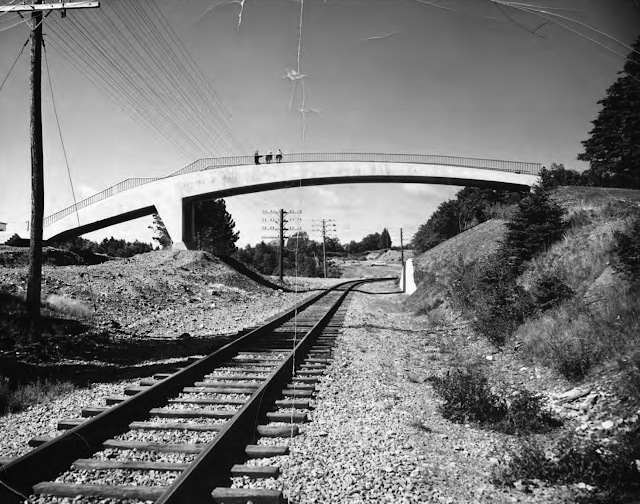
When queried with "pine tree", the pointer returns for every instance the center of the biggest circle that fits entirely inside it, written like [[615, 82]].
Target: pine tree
[[161, 234], [385, 239], [613, 150], [537, 223], [214, 227]]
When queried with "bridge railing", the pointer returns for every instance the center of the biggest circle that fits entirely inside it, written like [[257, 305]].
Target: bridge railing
[[487, 164], [223, 162], [126, 184]]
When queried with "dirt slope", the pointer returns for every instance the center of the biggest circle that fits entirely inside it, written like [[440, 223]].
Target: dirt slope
[[433, 268]]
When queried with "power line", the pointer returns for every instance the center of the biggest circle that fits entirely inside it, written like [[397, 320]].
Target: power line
[[148, 73], [66, 160], [14, 63]]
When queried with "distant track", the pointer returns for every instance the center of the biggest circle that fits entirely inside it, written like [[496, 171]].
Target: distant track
[[266, 375]]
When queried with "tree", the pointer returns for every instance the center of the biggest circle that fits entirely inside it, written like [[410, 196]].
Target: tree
[[558, 175], [214, 227], [613, 149], [385, 240], [537, 223], [161, 234], [443, 224]]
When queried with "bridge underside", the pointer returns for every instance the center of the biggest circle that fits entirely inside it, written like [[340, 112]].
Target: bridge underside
[[173, 197]]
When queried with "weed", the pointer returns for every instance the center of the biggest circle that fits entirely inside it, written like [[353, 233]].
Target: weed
[[469, 398], [418, 424], [19, 397], [609, 471], [573, 338]]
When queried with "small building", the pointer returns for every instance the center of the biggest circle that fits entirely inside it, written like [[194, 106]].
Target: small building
[[3, 226]]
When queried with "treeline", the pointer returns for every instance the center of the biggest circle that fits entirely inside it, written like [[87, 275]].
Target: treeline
[[471, 206], [302, 257], [375, 241], [109, 246]]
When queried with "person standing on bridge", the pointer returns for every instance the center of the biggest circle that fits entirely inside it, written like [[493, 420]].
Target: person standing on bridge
[[256, 156], [269, 157], [279, 156]]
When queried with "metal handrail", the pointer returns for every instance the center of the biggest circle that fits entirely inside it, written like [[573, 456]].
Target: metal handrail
[[224, 162]]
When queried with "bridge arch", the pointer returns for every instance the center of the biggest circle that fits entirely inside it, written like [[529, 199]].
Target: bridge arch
[[173, 197]]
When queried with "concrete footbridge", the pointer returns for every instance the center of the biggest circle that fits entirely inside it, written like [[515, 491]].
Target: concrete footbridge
[[173, 196]]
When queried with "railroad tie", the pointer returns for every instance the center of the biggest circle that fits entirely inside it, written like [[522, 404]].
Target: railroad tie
[[223, 495]]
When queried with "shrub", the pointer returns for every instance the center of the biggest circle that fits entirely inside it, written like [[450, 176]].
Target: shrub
[[550, 290], [469, 398], [627, 248], [486, 291], [572, 460]]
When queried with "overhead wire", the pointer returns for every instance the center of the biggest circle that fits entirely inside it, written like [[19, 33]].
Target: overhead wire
[[147, 65], [14, 63], [123, 100], [122, 83], [178, 73], [66, 160], [153, 83]]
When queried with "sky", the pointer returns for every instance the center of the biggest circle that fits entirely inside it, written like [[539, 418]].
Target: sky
[[391, 76]]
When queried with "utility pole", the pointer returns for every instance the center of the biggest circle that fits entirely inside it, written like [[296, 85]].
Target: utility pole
[[404, 271], [34, 282], [281, 232], [326, 225], [281, 243]]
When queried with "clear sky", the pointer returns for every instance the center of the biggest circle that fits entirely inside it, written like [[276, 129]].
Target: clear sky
[[395, 76]]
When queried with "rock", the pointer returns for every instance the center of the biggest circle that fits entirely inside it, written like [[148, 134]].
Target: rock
[[589, 401], [607, 425], [573, 394]]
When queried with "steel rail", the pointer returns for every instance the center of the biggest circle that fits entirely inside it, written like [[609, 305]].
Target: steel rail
[[212, 467], [49, 460]]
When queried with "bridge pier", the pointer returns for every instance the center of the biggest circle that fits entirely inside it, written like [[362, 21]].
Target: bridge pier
[[179, 219]]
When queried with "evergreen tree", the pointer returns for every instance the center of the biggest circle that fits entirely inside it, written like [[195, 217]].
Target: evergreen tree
[[385, 240], [613, 150], [214, 227], [161, 234], [537, 223]]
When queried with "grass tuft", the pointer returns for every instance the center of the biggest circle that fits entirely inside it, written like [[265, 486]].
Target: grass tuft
[[605, 473], [20, 397]]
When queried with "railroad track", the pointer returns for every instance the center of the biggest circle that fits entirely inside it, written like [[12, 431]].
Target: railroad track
[[221, 404]]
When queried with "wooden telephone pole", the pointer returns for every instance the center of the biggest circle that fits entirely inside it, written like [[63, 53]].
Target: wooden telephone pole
[[404, 271], [34, 282]]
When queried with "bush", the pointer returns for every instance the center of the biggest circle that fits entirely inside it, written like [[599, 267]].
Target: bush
[[469, 398], [487, 293], [627, 248], [572, 460], [550, 290]]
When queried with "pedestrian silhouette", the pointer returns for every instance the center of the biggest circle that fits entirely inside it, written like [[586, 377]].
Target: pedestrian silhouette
[[269, 157], [256, 157], [279, 156]]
